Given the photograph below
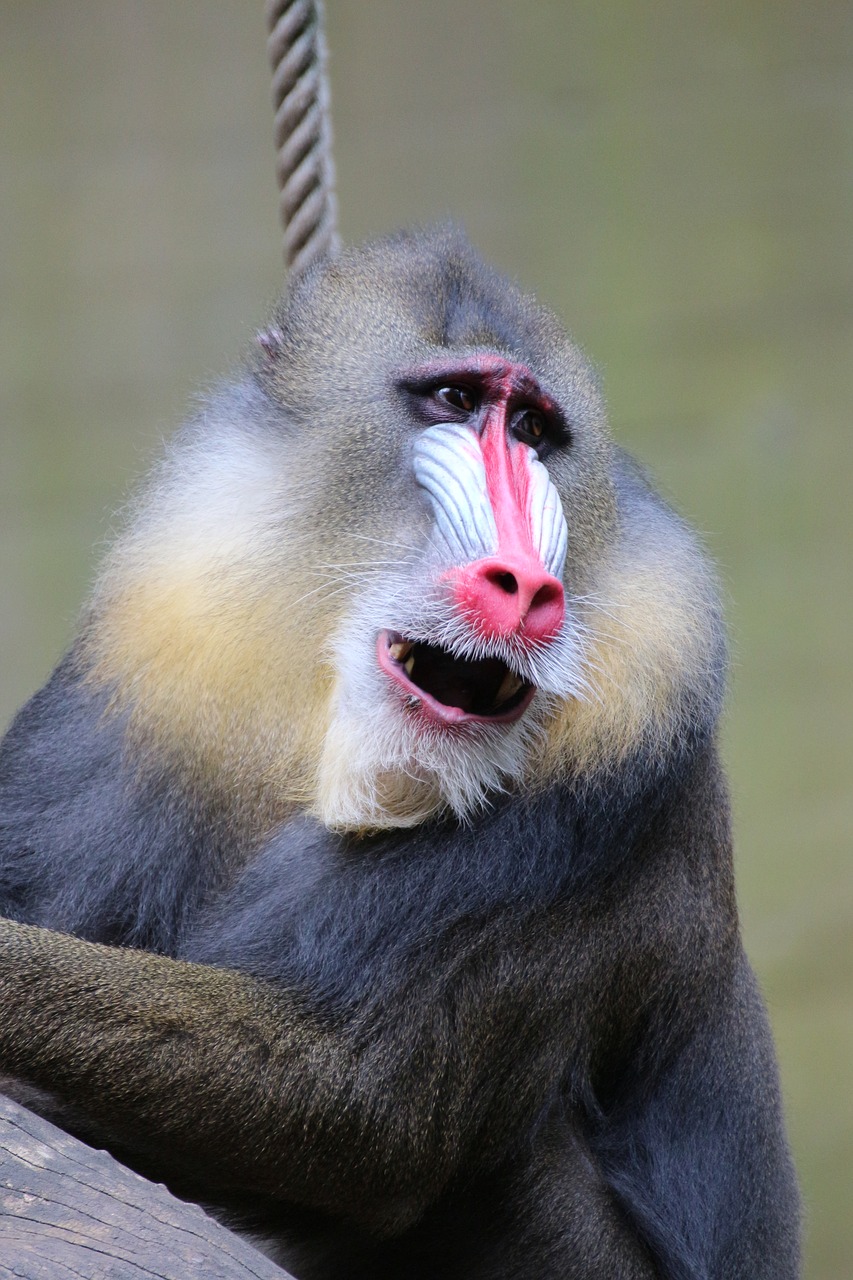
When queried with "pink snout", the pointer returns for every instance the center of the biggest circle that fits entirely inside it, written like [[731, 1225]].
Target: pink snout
[[503, 596]]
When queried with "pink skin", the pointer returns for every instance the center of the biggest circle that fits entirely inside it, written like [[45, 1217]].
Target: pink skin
[[510, 593]]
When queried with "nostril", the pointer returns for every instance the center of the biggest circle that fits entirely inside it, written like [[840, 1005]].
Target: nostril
[[510, 597], [504, 580], [550, 593]]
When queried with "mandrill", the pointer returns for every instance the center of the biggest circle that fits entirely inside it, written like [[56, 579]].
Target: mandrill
[[367, 858]]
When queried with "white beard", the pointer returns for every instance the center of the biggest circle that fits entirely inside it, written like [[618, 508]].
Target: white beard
[[386, 766]]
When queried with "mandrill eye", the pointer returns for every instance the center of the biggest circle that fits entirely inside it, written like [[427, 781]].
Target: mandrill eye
[[457, 398], [529, 427]]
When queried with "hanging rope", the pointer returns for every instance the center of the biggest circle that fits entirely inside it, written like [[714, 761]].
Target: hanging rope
[[303, 133]]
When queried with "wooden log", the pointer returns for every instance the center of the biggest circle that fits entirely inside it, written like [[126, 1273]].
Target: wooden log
[[68, 1212]]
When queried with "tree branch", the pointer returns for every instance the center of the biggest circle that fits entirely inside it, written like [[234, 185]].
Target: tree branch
[[68, 1212]]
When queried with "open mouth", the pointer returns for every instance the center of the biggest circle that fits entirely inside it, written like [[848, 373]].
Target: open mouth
[[449, 689]]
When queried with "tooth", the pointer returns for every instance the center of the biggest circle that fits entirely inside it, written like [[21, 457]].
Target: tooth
[[409, 666], [400, 649], [510, 686]]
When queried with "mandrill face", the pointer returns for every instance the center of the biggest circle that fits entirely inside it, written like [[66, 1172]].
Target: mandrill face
[[500, 536], [386, 574], [464, 434]]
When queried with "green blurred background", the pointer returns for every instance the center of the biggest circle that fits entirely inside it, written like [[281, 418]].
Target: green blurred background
[[673, 177]]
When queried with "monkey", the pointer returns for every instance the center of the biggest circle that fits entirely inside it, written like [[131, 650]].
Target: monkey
[[366, 862]]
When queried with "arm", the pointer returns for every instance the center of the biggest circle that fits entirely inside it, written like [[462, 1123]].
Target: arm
[[697, 1154], [230, 1076], [224, 1073], [684, 1176], [235, 1078], [558, 1219]]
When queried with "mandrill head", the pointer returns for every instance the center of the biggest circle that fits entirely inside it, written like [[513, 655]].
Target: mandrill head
[[400, 565]]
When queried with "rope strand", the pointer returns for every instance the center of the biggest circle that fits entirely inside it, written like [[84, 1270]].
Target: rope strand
[[303, 132]]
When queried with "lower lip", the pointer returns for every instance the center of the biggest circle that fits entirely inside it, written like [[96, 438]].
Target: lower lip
[[423, 704]]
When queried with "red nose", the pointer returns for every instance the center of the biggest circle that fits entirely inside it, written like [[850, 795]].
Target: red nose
[[505, 596]]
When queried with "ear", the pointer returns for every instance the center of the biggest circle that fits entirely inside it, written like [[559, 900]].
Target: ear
[[271, 342]]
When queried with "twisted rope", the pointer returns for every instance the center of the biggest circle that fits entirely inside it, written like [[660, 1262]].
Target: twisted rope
[[303, 133]]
